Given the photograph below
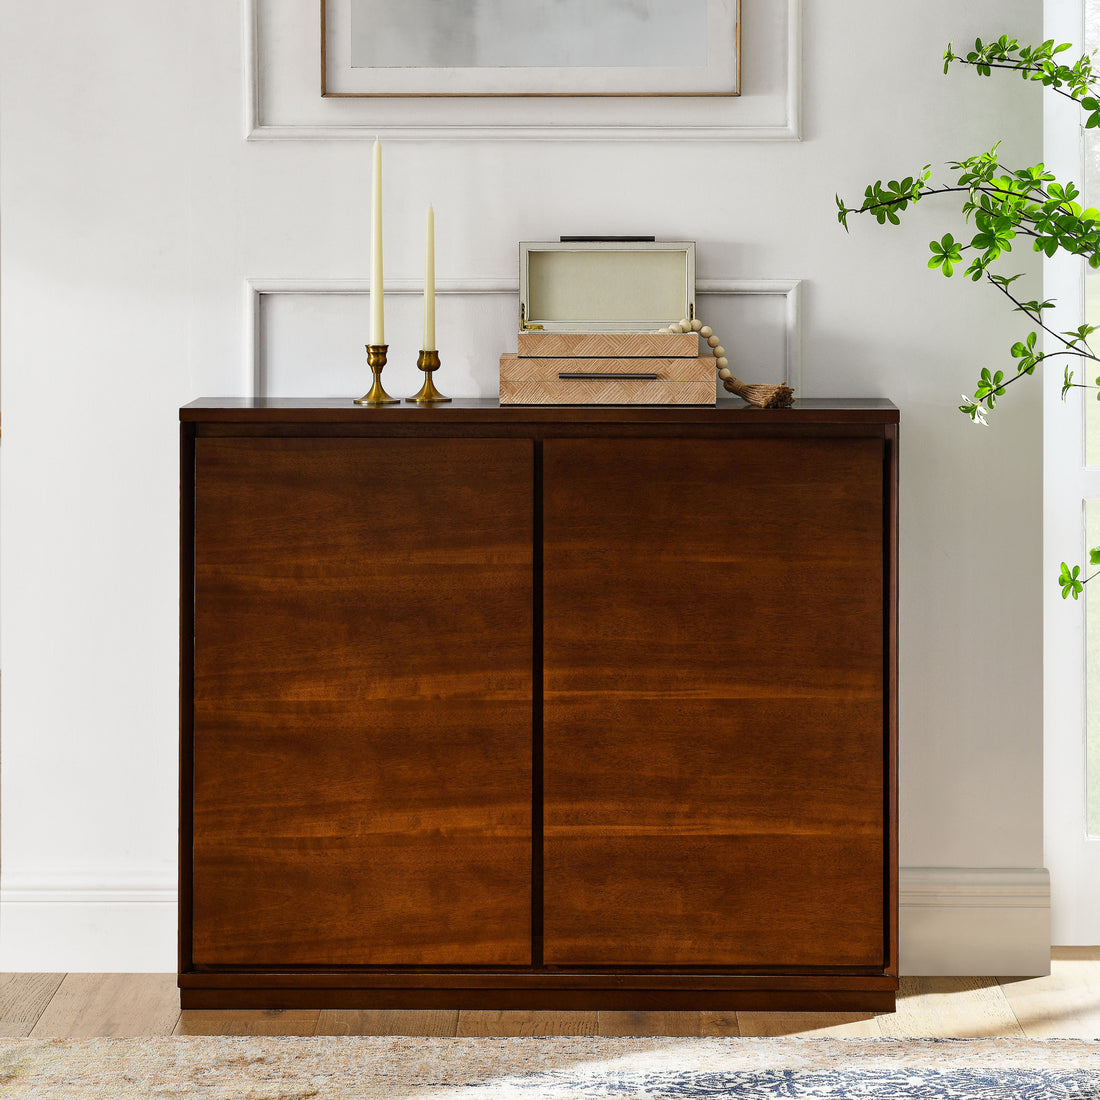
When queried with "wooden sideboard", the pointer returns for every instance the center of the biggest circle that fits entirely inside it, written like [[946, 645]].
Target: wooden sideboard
[[538, 707]]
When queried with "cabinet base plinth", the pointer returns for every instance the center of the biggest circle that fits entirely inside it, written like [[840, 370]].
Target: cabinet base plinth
[[542, 997]]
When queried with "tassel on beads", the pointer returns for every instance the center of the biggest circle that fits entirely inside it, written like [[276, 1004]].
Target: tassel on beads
[[760, 394]]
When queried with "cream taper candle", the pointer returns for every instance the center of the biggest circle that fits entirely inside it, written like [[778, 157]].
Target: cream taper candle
[[429, 283], [377, 316]]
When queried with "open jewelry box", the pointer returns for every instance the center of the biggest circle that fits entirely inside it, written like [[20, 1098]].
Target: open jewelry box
[[588, 313]]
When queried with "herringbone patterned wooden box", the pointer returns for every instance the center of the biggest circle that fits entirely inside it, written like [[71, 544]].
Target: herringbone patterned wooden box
[[598, 345], [667, 380]]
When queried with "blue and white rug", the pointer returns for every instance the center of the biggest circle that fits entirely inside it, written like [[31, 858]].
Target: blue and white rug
[[572, 1068]]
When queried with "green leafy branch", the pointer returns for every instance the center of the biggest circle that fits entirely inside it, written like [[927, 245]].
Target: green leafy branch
[[1071, 580], [1033, 63], [1004, 204]]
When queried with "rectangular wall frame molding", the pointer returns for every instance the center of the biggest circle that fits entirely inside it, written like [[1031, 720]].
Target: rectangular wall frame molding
[[253, 375], [257, 128]]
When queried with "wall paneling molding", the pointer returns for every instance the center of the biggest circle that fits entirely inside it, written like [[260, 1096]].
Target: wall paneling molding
[[253, 375], [256, 127]]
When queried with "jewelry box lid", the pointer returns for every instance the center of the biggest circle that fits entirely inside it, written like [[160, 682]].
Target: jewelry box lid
[[605, 285]]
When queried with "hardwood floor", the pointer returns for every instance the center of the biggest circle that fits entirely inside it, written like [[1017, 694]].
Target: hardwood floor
[[1066, 1004]]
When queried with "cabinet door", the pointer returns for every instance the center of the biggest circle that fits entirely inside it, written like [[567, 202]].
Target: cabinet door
[[714, 716], [363, 679]]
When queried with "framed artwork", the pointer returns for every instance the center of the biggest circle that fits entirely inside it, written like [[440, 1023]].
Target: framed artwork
[[530, 47]]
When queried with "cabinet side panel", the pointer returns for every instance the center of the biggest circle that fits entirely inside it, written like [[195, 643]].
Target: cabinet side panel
[[186, 688], [713, 664], [363, 694]]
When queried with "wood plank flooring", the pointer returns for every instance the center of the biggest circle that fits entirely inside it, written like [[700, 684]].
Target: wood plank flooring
[[23, 999], [110, 1004], [1066, 1004]]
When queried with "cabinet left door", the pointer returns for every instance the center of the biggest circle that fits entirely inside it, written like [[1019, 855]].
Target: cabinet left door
[[361, 747]]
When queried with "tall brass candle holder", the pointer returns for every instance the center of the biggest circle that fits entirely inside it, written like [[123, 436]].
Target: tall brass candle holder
[[376, 360], [428, 395]]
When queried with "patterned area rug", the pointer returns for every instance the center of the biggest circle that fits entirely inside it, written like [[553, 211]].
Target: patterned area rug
[[338, 1068]]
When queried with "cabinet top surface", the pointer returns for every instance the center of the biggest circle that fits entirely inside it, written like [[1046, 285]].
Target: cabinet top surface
[[858, 410]]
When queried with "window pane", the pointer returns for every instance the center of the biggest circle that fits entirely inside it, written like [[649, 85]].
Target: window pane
[[1087, 372], [1084, 371], [1092, 657]]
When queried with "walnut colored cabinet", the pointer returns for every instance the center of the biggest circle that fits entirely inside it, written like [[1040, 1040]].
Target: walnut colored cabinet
[[513, 707], [362, 680], [713, 715]]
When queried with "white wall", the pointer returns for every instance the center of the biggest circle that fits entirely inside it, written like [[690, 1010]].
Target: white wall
[[133, 211]]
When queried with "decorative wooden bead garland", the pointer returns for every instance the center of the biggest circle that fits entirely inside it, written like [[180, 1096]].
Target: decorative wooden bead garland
[[764, 396]]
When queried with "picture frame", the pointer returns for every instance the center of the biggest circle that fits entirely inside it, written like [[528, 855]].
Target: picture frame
[[421, 48]]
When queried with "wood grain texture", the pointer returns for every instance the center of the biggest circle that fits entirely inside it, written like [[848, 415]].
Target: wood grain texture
[[467, 413], [521, 980], [487, 1022], [185, 841], [269, 1022], [87, 1005], [834, 1025], [383, 1021], [951, 1008], [1065, 1007], [362, 792], [534, 993], [719, 1024], [520, 368], [1065, 1004], [603, 344], [714, 739], [651, 1023], [890, 477], [23, 999], [536, 382], [362, 780]]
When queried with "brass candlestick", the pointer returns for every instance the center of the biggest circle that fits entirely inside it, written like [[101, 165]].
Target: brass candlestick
[[376, 360], [428, 395]]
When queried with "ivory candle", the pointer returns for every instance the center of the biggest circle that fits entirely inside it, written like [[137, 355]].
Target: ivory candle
[[377, 316], [429, 282]]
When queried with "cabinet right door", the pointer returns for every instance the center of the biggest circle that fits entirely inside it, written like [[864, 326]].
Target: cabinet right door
[[714, 788]]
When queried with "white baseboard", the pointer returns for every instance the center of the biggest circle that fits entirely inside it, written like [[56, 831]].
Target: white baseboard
[[77, 921], [974, 920], [953, 920]]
